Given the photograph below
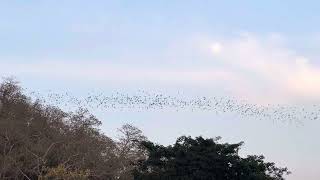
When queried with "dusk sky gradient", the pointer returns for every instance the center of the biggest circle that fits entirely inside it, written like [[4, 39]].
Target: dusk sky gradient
[[265, 52]]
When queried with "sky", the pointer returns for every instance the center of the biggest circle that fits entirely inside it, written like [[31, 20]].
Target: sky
[[265, 52]]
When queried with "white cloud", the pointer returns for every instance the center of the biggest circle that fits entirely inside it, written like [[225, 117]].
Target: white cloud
[[272, 71]]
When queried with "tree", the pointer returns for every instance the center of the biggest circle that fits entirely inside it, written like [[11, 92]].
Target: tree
[[129, 150], [203, 159]]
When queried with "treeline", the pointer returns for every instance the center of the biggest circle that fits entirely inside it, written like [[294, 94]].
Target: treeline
[[43, 142]]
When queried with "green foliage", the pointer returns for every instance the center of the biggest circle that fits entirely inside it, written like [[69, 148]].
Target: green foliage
[[204, 159]]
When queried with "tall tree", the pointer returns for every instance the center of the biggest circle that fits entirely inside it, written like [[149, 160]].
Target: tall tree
[[129, 150]]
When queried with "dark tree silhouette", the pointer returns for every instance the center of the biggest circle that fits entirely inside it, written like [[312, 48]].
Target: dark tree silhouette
[[204, 159]]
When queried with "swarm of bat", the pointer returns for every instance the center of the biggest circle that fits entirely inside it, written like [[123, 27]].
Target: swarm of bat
[[145, 101]]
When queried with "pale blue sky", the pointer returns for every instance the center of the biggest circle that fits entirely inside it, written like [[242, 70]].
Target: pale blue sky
[[261, 51]]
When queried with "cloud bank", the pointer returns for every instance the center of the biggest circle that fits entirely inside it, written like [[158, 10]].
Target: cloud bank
[[259, 69], [268, 69]]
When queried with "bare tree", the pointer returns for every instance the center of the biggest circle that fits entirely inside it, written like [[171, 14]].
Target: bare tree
[[129, 149]]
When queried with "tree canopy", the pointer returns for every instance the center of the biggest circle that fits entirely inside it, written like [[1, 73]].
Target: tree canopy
[[204, 159]]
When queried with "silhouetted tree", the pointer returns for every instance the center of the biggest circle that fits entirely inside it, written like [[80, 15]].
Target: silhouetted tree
[[203, 159]]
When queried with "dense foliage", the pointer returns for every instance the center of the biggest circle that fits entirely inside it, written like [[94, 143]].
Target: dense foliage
[[43, 142], [204, 159]]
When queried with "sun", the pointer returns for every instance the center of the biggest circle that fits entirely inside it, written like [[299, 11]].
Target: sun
[[216, 48]]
